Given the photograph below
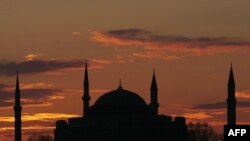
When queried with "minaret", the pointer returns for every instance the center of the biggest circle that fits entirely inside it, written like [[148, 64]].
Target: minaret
[[154, 96], [18, 110], [231, 100], [86, 97]]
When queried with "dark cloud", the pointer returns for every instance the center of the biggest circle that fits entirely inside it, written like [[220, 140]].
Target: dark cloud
[[38, 66], [130, 34], [221, 105], [147, 36], [29, 96], [218, 105]]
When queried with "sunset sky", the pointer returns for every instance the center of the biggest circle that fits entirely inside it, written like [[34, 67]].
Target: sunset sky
[[189, 43]]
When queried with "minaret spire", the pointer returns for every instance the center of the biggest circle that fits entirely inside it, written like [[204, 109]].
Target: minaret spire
[[86, 77], [18, 111], [231, 77], [86, 97], [154, 95], [231, 100], [154, 83]]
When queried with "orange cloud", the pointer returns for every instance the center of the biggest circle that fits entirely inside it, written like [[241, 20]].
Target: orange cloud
[[37, 85], [33, 94], [34, 127], [110, 40], [100, 61], [243, 94], [39, 117], [156, 55], [197, 116], [30, 57]]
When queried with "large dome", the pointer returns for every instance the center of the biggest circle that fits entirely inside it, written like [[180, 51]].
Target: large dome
[[120, 102]]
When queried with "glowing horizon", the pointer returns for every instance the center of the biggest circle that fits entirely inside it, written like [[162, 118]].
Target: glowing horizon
[[190, 44]]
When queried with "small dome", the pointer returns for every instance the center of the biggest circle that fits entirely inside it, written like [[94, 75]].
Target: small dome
[[119, 102]]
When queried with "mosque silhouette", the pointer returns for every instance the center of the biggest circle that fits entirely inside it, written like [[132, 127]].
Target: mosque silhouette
[[121, 115]]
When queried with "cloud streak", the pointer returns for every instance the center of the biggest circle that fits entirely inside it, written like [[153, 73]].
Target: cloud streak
[[31, 56], [197, 116], [40, 117], [40, 66], [32, 95], [221, 105], [243, 94], [153, 43], [37, 66]]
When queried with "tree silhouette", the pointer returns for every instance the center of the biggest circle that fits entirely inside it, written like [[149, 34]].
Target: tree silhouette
[[40, 137], [203, 132]]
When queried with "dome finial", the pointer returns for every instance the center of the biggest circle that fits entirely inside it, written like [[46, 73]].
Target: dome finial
[[120, 84]]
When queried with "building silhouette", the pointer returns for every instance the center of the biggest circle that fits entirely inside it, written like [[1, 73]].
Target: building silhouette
[[18, 113], [231, 100], [121, 115]]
